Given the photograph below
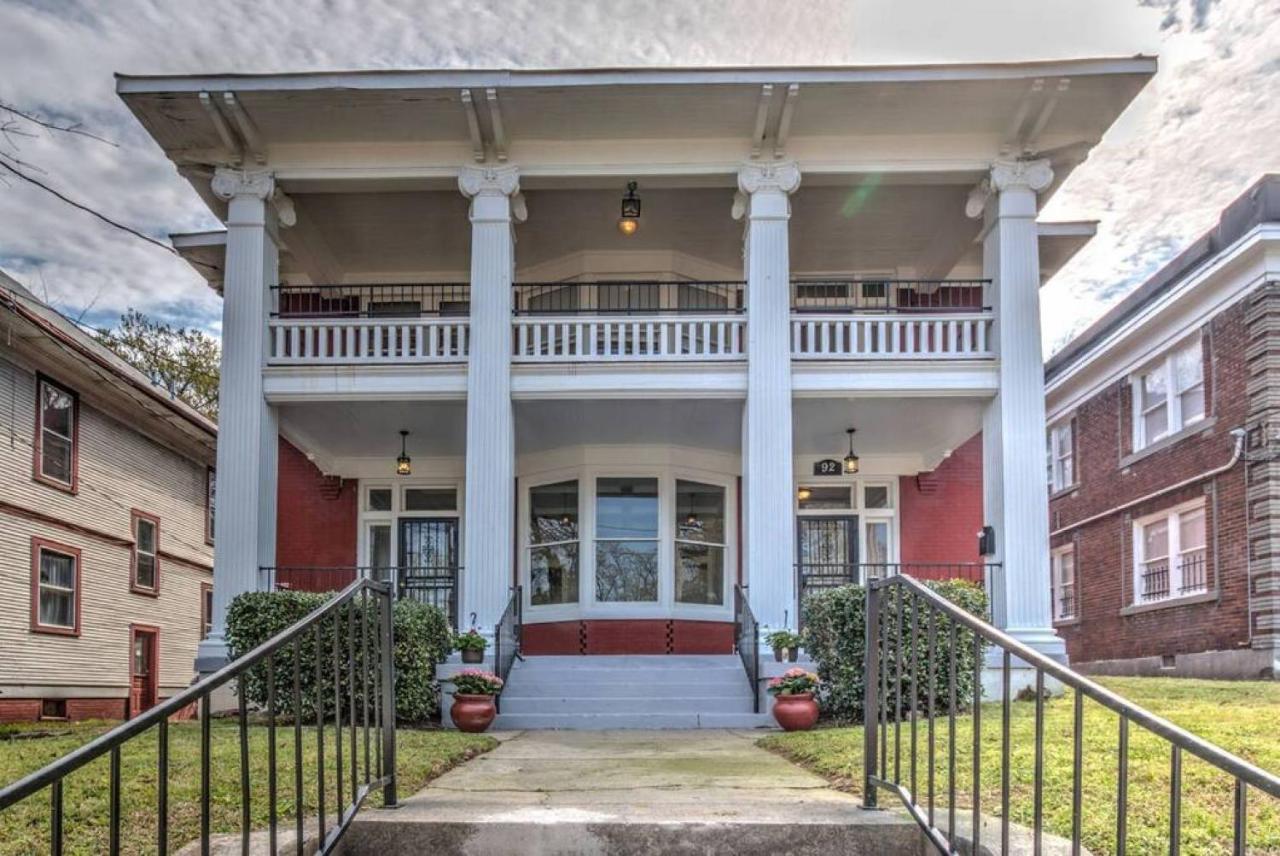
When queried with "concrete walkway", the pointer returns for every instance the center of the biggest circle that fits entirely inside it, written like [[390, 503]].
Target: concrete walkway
[[584, 792]]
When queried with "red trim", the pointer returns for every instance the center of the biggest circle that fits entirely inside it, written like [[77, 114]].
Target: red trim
[[88, 532], [153, 676], [72, 487], [153, 590], [210, 478], [38, 544]]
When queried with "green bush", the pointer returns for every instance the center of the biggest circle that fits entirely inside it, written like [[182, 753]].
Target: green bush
[[422, 639], [835, 636]]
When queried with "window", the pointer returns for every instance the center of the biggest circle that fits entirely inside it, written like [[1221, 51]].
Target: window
[[430, 499], [1169, 396], [1169, 554], [1062, 457], [53, 708], [875, 496], [210, 502], [146, 553], [815, 498], [626, 540], [55, 588], [700, 542], [57, 417], [1063, 568], [553, 543], [206, 610], [378, 499]]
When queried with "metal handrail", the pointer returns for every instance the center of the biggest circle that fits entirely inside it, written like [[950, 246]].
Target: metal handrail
[[506, 638], [382, 682], [896, 296], [746, 634], [631, 297], [877, 773], [379, 300]]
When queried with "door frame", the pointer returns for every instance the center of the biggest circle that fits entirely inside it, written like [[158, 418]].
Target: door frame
[[152, 686]]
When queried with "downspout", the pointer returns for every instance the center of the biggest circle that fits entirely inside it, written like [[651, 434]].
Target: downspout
[[1239, 435]]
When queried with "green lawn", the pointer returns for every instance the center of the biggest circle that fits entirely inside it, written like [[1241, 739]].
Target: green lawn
[[24, 828], [1241, 717]]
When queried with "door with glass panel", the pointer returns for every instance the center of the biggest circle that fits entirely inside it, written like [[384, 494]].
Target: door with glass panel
[[428, 561], [827, 551]]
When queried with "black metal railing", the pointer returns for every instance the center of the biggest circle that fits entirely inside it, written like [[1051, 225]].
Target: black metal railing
[[639, 297], [917, 618], [817, 576], [436, 585], [746, 639], [361, 671], [890, 295], [506, 637], [392, 300]]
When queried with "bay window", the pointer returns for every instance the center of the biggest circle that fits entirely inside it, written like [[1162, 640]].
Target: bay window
[[1169, 554], [626, 540], [1169, 396], [700, 543], [553, 543]]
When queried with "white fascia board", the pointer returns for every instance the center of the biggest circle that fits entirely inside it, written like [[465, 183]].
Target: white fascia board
[[613, 381], [531, 78], [183, 240], [282, 385], [931, 378], [1067, 229], [1215, 285]]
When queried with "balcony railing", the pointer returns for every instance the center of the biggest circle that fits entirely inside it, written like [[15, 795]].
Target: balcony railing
[[631, 297], [896, 296], [580, 338]]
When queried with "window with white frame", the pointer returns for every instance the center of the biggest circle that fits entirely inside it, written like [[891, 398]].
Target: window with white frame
[[553, 543], [1169, 396], [699, 543], [1063, 566], [1169, 554], [1061, 456]]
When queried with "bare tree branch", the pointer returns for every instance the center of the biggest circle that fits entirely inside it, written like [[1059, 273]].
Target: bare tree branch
[[66, 129]]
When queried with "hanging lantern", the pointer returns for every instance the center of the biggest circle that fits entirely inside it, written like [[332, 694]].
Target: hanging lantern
[[850, 460], [629, 222], [403, 467], [803, 494]]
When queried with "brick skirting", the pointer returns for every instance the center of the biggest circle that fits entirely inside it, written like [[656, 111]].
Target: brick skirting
[[628, 636]]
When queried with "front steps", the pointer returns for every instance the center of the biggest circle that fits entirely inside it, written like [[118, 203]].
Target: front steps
[[598, 692]]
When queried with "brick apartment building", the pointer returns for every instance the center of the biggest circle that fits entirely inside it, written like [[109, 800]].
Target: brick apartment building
[[1163, 465]]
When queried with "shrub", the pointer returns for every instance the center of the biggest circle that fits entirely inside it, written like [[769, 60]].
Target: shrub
[[422, 639], [835, 636]]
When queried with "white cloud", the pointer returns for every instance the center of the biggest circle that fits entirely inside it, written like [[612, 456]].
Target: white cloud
[[1199, 137]]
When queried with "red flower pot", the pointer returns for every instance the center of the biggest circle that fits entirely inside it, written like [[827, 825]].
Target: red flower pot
[[473, 713], [797, 712]]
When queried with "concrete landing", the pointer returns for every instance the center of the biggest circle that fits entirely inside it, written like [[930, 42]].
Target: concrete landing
[[594, 792]]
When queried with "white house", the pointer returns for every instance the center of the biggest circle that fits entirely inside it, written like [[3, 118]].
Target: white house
[[627, 317]]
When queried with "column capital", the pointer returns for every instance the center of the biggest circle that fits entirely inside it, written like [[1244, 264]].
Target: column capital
[[1009, 174], [476, 181], [764, 177], [229, 183]]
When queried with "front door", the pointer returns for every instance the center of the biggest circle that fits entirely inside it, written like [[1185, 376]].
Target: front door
[[428, 562], [143, 673], [826, 552]]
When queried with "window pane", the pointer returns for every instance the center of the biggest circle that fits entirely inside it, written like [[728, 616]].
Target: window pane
[[57, 569], [146, 536], [876, 496], [1191, 530], [699, 574], [825, 497], [430, 499], [55, 457], [1188, 367], [699, 512], [1193, 403], [553, 513], [877, 546], [1155, 540], [57, 608], [55, 410], [1066, 568], [553, 574], [1156, 422], [1153, 387], [146, 571], [380, 546], [626, 508], [1067, 471], [626, 571], [379, 499]]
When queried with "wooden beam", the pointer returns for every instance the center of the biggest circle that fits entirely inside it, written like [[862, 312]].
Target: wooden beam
[[235, 151], [473, 126], [248, 130], [784, 121], [495, 119], [762, 117]]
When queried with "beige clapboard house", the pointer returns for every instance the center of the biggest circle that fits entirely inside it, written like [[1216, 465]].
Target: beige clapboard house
[[105, 530]]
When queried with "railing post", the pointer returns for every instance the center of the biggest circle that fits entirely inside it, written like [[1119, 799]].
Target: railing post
[[389, 799], [871, 700]]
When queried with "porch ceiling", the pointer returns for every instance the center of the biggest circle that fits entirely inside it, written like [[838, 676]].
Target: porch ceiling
[[339, 430], [545, 425], [927, 427]]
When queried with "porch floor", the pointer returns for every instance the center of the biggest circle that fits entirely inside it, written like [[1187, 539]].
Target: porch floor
[[576, 792]]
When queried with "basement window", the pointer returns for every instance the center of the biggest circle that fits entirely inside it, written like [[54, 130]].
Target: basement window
[[53, 708]]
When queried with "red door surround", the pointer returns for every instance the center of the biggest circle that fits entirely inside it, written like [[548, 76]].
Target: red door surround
[[144, 668]]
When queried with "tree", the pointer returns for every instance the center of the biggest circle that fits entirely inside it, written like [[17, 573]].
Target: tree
[[184, 361]]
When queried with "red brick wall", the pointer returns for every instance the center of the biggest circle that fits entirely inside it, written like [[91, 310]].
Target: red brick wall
[[316, 523], [638, 636], [28, 709], [941, 512], [1104, 549]]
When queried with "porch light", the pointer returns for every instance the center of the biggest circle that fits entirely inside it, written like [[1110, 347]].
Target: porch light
[[803, 494], [403, 467], [629, 222], [850, 460]]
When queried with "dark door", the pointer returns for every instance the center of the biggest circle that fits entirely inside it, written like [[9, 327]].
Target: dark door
[[142, 672], [826, 552], [428, 562]]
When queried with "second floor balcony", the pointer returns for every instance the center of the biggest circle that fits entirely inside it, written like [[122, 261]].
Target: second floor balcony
[[630, 321]]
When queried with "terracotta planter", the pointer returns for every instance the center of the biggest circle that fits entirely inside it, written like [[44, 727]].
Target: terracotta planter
[[795, 712], [470, 655], [777, 654], [472, 713], [793, 654]]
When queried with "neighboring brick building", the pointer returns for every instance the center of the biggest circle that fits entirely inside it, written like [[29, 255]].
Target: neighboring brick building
[[1163, 469]]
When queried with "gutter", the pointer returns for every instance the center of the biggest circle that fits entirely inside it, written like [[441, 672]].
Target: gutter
[[1239, 435]]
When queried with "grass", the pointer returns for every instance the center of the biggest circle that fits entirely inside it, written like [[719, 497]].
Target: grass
[[1240, 717], [24, 828]]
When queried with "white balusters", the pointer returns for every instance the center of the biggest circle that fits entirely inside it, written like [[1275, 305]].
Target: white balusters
[[305, 341], [891, 337], [605, 339]]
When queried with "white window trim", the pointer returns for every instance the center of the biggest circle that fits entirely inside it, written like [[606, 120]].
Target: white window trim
[[391, 517], [1173, 516], [1057, 481], [1174, 422], [1058, 583]]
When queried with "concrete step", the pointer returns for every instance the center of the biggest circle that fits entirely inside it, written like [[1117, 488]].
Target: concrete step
[[615, 661], [630, 689], [645, 704], [644, 682], [628, 721]]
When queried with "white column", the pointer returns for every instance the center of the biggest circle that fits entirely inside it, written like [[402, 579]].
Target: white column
[[1016, 496], [767, 447], [244, 538], [489, 519]]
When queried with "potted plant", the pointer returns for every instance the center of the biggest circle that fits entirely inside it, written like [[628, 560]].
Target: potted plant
[[473, 709], [793, 704], [472, 645], [785, 645]]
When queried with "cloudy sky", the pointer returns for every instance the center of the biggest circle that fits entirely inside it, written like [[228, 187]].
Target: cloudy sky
[[1203, 131]]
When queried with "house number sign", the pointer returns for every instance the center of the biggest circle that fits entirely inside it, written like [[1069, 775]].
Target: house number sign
[[827, 468]]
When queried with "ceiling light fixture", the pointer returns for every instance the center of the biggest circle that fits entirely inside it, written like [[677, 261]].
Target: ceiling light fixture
[[403, 462], [629, 222], [850, 460]]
